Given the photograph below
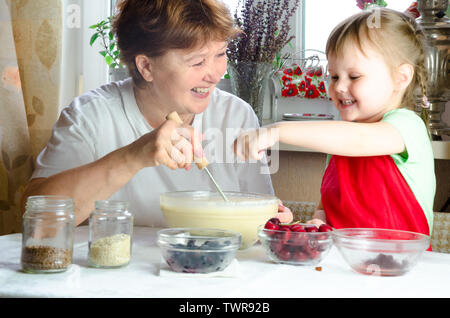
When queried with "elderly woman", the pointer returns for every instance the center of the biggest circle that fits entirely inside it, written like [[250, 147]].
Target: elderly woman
[[115, 142]]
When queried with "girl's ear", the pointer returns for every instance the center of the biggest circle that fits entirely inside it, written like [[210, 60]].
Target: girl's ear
[[405, 74], [144, 66]]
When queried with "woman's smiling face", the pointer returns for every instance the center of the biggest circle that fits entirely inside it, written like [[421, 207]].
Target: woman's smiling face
[[361, 86], [184, 79]]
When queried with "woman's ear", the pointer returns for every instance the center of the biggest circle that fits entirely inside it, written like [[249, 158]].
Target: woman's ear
[[144, 66], [405, 74]]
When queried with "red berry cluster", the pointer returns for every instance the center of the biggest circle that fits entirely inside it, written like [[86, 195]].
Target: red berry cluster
[[292, 243]]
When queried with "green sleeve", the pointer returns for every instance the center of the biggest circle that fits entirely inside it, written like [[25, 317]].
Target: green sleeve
[[413, 131]]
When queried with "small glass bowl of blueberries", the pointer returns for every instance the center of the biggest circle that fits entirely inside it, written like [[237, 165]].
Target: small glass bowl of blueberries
[[198, 250]]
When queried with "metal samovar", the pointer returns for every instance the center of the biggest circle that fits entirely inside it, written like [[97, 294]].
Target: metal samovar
[[436, 26]]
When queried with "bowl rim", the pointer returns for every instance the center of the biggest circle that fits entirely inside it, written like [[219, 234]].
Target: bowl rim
[[262, 229], [263, 196], [163, 233], [339, 233]]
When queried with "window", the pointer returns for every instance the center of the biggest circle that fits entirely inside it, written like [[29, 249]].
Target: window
[[322, 16], [316, 19]]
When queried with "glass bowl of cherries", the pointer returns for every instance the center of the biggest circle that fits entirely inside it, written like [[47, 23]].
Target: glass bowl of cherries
[[295, 243]]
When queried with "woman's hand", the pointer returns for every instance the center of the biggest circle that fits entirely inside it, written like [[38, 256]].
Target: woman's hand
[[171, 144], [284, 213], [253, 143]]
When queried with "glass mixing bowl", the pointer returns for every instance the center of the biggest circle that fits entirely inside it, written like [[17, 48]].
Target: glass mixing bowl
[[380, 252], [243, 213]]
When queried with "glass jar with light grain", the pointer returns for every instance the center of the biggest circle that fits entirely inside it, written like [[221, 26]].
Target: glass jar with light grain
[[110, 234]]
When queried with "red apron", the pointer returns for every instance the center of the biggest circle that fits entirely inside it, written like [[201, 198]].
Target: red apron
[[370, 192]]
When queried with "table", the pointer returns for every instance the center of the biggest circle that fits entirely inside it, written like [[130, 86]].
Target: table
[[260, 278]]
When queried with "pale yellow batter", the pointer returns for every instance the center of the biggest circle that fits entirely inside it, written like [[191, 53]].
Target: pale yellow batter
[[242, 213]]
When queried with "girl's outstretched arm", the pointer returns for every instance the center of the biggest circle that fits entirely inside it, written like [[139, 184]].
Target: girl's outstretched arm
[[332, 137]]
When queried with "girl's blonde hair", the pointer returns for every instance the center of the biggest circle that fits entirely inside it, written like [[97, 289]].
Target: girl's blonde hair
[[393, 34]]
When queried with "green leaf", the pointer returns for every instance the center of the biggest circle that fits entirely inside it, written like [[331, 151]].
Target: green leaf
[[111, 47], [93, 38], [109, 60], [111, 36], [93, 26], [103, 53], [113, 65]]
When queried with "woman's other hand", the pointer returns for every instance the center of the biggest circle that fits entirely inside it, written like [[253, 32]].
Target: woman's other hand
[[284, 213]]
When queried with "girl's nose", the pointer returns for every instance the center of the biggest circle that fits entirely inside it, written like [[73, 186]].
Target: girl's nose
[[341, 86]]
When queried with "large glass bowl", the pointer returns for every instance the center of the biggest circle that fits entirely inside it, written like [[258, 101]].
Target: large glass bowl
[[380, 252], [198, 250], [243, 213]]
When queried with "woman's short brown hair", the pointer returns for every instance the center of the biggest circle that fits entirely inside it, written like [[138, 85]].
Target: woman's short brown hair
[[152, 27]]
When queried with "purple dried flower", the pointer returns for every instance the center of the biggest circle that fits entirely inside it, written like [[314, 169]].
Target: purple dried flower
[[265, 26]]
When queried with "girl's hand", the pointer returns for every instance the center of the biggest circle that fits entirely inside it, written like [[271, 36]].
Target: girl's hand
[[253, 143], [284, 213], [171, 144]]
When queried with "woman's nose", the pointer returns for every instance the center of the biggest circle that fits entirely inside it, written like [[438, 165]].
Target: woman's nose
[[215, 72]]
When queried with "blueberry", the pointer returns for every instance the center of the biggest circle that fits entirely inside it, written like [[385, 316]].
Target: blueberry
[[210, 244]]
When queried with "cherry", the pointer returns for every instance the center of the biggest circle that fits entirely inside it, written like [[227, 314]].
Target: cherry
[[271, 226], [274, 221], [285, 254], [276, 247], [286, 235], [325, 228], [313, 254], [299, 256], [312, 228], [297, 228]]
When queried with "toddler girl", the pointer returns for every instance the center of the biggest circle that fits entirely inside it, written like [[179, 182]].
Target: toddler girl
[[380, 167]]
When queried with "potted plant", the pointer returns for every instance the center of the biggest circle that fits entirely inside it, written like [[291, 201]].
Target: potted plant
[[110, 51], [251, 55]]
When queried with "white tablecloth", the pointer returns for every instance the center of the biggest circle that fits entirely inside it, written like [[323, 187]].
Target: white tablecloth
[[259, 277]]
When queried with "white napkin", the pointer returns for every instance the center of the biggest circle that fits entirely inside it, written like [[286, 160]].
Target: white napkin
[[231, 270]]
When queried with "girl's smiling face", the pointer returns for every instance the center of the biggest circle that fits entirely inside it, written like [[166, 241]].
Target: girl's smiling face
[[185, 79], [361, 87]]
